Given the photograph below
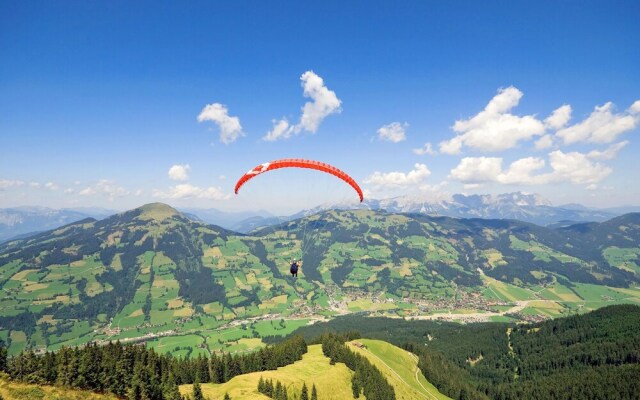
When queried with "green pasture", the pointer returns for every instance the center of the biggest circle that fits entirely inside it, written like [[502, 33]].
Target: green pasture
[[332, 381], [399, 367]]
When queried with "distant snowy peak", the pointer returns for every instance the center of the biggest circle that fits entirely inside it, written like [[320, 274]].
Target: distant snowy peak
[[517, 205]]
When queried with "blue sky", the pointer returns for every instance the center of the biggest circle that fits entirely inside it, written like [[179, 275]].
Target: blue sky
[[99, 100]]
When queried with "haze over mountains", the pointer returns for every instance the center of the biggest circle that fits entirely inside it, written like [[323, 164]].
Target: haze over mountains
[[18, 221]]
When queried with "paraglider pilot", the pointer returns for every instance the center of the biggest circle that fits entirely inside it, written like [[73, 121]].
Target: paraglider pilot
[[294, 268]]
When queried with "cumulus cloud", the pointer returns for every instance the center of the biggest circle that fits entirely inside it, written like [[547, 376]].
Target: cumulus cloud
[[188, 191], [426, 149], [494, 128], [544, 142], [602, 125], [281, 130], [6, 183], [574, 167], [230, 128], [179, 172], [520, 172], [477, 169], [609, 153], [104, 187], [324, 102], [559, 117], [35, 185], [399, 179], [393, 132]]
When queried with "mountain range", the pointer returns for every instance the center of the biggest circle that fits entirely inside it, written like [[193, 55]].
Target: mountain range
[[20, 221], [153, 269]]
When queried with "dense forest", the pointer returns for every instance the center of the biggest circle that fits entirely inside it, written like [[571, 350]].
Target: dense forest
[[135, 372], [596, 355]]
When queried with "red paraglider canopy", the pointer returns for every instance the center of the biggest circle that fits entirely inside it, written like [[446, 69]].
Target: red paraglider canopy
[[298, 163]]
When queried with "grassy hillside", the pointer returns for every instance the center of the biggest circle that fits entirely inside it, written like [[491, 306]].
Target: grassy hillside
[[11, 390], [400, 368], [333, 382], [153, 275]]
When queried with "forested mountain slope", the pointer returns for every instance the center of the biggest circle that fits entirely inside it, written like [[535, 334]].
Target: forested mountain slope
[[153, 271]]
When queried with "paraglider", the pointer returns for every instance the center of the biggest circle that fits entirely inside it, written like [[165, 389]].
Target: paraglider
[[299, 163], [294, 269]]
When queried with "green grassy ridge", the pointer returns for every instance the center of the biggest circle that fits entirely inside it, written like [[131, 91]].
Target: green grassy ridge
[[399, 368], [332, 381], [62, 287]]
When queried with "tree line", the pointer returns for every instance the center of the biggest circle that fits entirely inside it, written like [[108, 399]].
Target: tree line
[[367, 379], [135, 372], [279, 390]]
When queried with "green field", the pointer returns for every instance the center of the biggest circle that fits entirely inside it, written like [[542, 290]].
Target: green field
[[12, 390], [333, 382], [400, 368]]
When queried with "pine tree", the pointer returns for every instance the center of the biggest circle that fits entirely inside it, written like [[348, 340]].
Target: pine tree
[[355, 388], [269, 388], [305, 393], [314, 393], [197, 392], [227, 397], [261, 385], [3, 357]]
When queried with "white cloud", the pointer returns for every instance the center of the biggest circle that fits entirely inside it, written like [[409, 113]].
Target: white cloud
[[5, 183], [602, 125], [35, 185], [576, 168], [477, 169], [635, 108], [281, 130], [399, 179], [324, 103], [426, 149], [572, 167], [188, 191], [230, 128], [471, 186], [559, 117], [139, 192], [222, 177], [69, 191], [179, 172], [393, 132], [494, 128], [520, 172], [104, 187], [609, 153], [51, 186], [544, 142]]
